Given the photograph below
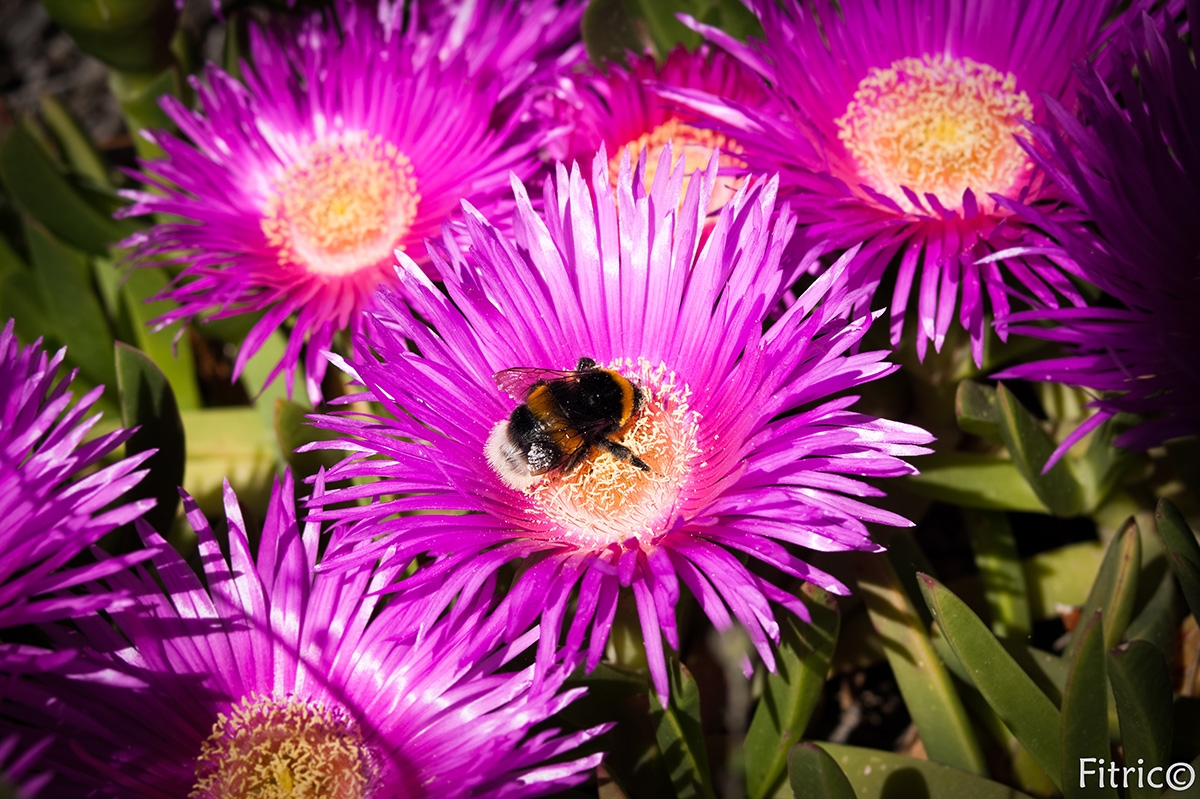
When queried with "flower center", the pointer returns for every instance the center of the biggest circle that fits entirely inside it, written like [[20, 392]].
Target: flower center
[[343, 207], [606, 500], [268, 748], [937, 125], [694, 145]]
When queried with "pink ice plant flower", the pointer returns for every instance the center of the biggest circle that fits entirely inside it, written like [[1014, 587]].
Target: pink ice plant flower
[[1135, 169], [901, 128], [20, 774], [345, 142], [268, 678], [620, 107], [745, 427], [49, 513]]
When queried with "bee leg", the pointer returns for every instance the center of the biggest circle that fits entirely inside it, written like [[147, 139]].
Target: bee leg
[[623, 453], [574, 459]]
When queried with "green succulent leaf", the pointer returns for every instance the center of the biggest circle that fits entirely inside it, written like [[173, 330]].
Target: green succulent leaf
[[1115, 589], [974, 481], [632, 757], [1015, 697], [148, 402], [76, 318], [1002, 572], [41, 190], [293, 431], [1031, 447], [233, 444], [21, 296], [813, 774], [1156, 621], [680, 737], [874, 774], [1085, 713], [1182, 550], [1064, 575], [127, 35], [139, 96], [173, 355], [928, 691], [81, 155], [791, 693], [1141, 685], [978, 409]]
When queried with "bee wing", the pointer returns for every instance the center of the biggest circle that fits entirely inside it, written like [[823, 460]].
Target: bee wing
[[517, 381]]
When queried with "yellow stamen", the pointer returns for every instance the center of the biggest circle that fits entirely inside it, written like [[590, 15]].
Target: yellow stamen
[[344, 206], [937, 125], [694, 145], [283, 749], [605, 500]]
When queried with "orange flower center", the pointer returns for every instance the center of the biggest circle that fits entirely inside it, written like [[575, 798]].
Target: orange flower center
[[937, 125], [268, 748], [694, 145], [344, 206], [606, 500]]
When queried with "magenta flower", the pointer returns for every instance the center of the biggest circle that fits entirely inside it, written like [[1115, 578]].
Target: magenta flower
[[900, 132], [745, 435], [20, 774], [1136, 171], [621, 109], [297, 186], [46, 520], [269, 678]]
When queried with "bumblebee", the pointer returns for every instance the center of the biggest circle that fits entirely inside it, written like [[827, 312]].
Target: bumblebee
[[564, 416]]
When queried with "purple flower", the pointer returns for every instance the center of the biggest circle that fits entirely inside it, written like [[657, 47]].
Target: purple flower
[[1136, 171], [621, 109], [20, 774], [746, 433], [46, 520], [268, 677], [900, 126], [345, 143]]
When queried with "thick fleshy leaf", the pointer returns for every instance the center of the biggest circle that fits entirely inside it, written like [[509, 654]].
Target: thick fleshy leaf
[[77, 149], [1064, 575], [1115, 589], [20, 295], [293, 431], [1142, 688], [229, 443], [1002, 572], [680, 737], [1017, 700], [41, 190], [139, 97], [632, 757], [1155, 623], [148, 403], [814, 774], [1085, 714], [1031, 447], [172, 354], [883, 775], [791, 693], [977, 409], [613, 28], [127, 35], [974, 481], [77, 320], [928, 691], [1183, 552]]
